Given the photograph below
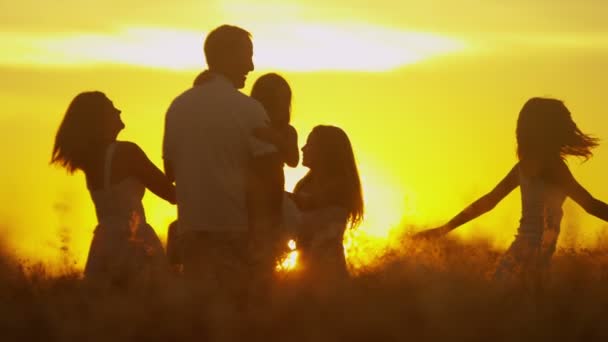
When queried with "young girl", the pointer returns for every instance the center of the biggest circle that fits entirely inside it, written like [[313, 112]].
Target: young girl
[[330, 200], [274, 93], [117, 175], [546, 135]]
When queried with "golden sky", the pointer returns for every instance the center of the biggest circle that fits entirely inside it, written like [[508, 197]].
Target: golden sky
[[428, 91]]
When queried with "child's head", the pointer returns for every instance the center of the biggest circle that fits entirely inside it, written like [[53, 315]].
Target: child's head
[[274, 93], [545, 130]]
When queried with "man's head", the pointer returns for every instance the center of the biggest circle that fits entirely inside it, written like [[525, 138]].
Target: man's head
[[229, 51]]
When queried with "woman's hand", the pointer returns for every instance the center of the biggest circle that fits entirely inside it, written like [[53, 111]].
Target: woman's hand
[[431, 234]]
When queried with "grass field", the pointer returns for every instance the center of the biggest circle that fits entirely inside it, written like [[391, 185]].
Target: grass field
[[425, 292]]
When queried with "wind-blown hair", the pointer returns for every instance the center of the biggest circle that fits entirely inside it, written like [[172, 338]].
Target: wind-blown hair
[[337, 166], [267, 90], [81, 131], [545, 130]]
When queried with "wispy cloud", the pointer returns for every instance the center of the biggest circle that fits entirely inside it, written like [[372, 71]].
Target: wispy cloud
[[295, 47]]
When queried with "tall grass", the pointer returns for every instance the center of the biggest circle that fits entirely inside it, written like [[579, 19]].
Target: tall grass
[[439, 291]]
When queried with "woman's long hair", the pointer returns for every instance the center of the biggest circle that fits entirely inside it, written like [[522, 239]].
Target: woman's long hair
[[546, 131], [274, 93], [81, 132], [337, 165]]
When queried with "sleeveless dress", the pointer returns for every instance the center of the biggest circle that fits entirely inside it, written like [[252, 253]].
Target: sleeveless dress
[[320, 234], [529, 256], [323, 230], [124, 246]]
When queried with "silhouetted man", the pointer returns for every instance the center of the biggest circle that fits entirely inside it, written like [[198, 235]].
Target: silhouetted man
[[210, 150]]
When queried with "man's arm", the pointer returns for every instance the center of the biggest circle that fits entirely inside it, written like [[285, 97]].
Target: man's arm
[[257, 120], [168, 143], [265, 168]]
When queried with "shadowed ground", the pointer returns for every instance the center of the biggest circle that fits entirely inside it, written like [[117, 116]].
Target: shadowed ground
[[427, 292]]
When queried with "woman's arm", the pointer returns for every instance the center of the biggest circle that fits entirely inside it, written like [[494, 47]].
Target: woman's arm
[[479, 207], [152, 178], [169, 171], [579, 194]]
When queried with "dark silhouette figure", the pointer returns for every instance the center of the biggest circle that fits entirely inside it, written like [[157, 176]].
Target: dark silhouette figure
[[211, 152], [173, 250], [274, 93], [330, 200], [266, 199], [117, 175], [546, 135]]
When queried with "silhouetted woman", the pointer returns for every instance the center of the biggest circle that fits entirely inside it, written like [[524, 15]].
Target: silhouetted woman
[[117, 175], [330, 200], [546, 135]]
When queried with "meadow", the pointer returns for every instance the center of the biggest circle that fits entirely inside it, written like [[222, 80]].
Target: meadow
[[420, 291]]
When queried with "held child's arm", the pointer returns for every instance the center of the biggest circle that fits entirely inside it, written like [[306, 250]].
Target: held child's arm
[[291, 152], [479, 207]]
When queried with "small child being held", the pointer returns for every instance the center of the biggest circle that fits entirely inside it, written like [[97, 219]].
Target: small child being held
[[274, 93]]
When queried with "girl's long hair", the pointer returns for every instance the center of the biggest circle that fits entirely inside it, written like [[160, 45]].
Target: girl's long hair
[[546, 131], [337, 165], [81, 131]]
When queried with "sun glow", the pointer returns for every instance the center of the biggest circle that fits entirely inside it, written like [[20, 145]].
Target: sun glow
[[288, 47], [387, 208], [290, 260]]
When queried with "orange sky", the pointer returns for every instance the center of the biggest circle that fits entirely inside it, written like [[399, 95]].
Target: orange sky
[[428, 91]]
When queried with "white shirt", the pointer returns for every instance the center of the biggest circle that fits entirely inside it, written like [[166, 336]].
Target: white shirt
[[209, 142]]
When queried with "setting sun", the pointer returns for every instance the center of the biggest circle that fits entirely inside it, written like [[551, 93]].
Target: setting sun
[[289, 261], [428, 98], [303, 170]]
